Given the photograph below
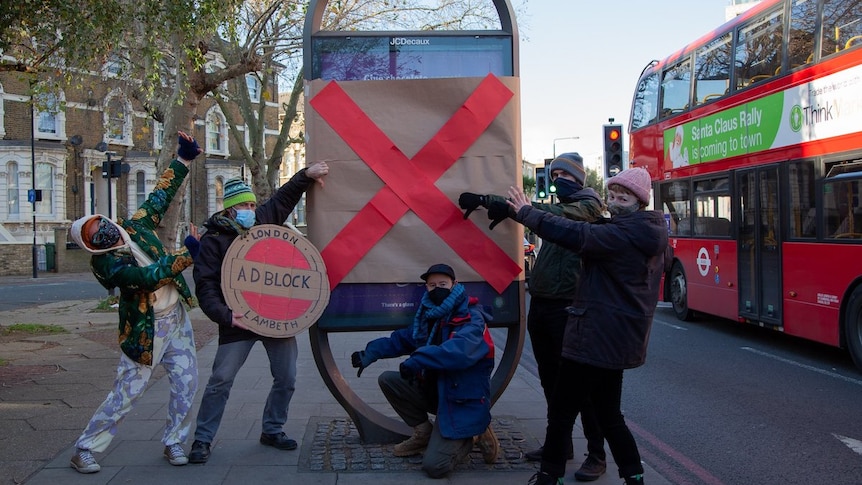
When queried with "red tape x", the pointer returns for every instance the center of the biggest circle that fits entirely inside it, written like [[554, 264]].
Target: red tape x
[[410, 182]]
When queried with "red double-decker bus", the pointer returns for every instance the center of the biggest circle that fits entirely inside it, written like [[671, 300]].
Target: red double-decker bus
[[753, 137]]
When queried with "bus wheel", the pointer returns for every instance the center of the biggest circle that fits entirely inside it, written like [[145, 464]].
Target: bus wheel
[[679, 293], [853, 326]]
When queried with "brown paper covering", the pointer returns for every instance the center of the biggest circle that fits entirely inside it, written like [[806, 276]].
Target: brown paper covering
[[411, 112]]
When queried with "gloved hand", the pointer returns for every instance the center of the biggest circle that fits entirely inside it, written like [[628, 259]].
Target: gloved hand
[[359, 361], [188, 148], [193, 245], [498, 212], [470, 202], [410, 371]]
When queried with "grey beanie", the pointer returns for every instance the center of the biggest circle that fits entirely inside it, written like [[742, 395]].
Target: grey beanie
[[571, 163]]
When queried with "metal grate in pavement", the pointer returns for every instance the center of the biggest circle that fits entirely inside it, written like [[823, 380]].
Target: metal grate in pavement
[[335, 447]]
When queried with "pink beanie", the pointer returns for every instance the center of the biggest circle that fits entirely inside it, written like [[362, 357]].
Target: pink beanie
[[635, 179]]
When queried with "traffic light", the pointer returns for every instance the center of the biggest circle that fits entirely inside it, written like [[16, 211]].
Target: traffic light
[[549, 183], [541, 183], [116, 168], [613, 142]]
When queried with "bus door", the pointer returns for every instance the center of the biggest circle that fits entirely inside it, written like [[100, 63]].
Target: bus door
[[759, 219]]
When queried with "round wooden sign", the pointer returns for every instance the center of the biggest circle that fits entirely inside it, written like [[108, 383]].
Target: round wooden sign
[[276, 279]]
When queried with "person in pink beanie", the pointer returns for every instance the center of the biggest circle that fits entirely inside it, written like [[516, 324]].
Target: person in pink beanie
[[609, 320]]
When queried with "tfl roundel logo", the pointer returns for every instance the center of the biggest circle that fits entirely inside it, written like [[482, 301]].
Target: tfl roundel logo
[[276, 279]]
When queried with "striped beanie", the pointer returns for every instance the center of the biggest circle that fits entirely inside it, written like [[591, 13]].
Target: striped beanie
[[236, 192], [571, 163]]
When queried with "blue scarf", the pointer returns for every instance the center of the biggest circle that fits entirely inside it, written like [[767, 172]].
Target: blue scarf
[[456, 302]]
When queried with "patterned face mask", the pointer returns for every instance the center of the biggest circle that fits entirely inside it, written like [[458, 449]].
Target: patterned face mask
[[106, 236]]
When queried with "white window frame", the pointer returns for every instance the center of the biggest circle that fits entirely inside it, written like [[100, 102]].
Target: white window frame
[[158, 135], [126, 137], [55, 117], [113, 66], [47, 193], [2, 113], [219, 193], [216, 139], [253, 85], [16, 183], [136, 166]]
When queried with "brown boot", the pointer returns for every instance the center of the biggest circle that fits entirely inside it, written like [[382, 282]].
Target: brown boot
[[415, 444], [488, 445]]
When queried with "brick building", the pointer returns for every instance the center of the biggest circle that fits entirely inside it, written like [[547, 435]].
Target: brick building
[[60, 146]]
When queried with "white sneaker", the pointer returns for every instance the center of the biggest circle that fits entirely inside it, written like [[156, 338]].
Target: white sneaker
[[175, 455], [84, 462]]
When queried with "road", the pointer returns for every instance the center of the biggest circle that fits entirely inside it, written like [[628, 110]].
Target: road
[[717, 403], [21, 292], [722, 403]]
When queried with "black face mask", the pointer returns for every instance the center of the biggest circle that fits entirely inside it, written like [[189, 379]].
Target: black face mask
[[566, 188], [106, 236], [438, 295]]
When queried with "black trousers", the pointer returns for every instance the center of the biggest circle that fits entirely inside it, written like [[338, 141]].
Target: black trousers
[[546, 322], [576, 385]]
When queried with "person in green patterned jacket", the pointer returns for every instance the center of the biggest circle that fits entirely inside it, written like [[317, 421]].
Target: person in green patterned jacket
[[154, 326]]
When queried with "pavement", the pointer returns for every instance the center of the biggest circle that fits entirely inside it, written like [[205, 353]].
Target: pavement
[[51, 385]]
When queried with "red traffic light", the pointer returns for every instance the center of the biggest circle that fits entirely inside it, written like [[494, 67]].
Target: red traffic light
[[614, 134]]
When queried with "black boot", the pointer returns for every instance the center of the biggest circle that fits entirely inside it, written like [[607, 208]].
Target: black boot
[[635, 480], [591, 469], [200, 452], [536, 455]]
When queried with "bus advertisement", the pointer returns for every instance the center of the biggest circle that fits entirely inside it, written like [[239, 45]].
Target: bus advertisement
[[752, 137]]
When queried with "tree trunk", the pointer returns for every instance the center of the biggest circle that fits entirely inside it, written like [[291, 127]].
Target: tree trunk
[[175, 223]]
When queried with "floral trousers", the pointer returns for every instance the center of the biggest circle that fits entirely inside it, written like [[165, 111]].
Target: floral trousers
[[174, 348]]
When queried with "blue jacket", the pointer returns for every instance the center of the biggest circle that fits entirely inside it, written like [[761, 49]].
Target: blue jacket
[[463, 362]]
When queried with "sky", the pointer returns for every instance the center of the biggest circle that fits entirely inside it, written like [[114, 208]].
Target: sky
[[580, 61]]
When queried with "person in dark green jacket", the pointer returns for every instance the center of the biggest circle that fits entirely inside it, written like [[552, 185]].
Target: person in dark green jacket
[[553, 285], [154, 326]]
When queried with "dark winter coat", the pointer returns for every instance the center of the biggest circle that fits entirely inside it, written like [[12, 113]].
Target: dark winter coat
[[463, 362], [623, 258], [214, 245]]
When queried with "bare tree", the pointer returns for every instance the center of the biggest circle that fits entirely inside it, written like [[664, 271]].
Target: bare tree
[[274, 31]]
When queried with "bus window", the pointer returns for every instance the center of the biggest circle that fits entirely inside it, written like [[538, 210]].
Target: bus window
[[674, 199], [803, 23], [803, 213], [841, 25], [645, 106], [758, 50], [712, 207], [841, 201], [675, 89], [712, 70]]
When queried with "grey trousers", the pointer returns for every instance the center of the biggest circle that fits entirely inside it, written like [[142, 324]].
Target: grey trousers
[[413, 406]]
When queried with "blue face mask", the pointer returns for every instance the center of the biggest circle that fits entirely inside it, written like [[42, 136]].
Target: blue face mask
[[245, 218]]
